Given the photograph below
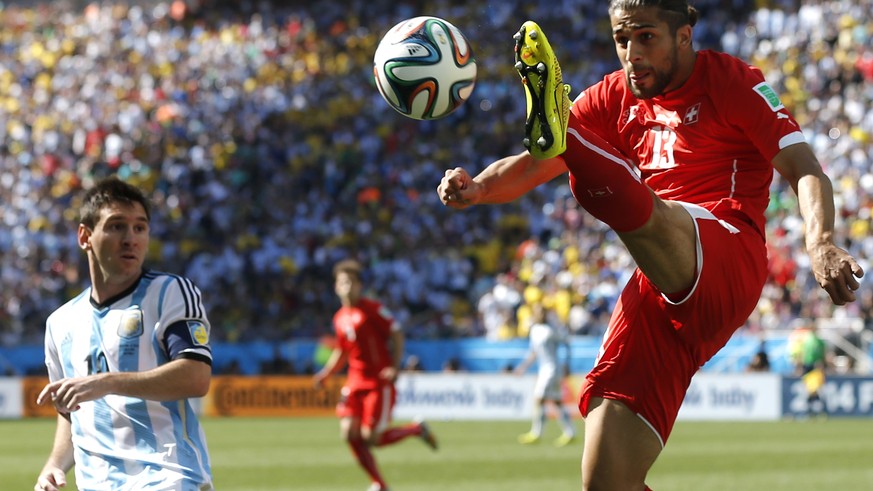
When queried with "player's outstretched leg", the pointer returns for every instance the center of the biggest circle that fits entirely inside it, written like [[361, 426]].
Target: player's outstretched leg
[[548, 101]]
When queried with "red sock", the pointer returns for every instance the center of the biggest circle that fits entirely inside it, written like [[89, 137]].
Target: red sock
[[605, 183], [648, 489], [394, 435], [366, 460]]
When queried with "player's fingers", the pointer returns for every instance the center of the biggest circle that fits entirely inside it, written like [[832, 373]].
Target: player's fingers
[[839, 291], [44, 394], [58, 480], [44, 484], [850, 279], [857, 270], [455, 180], [67, 398]]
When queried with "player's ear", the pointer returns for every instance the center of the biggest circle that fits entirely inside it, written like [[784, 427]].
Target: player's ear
[[684, 36], [83, 235]]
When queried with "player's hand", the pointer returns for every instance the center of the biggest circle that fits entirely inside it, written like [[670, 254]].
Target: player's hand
[[458, 190], [68, 394], [836, 271], [50, 479], [388, 374], [318, 380]]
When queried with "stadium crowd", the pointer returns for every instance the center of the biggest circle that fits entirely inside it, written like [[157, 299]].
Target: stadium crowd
[[258, 126]]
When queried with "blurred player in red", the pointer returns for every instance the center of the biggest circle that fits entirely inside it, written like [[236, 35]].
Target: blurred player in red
[[675, 152], [370, 340]]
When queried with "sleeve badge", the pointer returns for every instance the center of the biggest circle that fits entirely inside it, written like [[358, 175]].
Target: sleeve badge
[[199, 332]]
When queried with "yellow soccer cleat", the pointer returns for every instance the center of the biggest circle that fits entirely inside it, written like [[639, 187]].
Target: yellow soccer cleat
[[528, 438], [564, 440], [548, 101]]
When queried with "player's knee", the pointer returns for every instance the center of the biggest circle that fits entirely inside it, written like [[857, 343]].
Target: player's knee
[[350, 436], [611, 471], [369, 436], [603, 481]]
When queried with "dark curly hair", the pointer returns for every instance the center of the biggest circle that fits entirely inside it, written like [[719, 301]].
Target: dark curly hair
[[676, 13]]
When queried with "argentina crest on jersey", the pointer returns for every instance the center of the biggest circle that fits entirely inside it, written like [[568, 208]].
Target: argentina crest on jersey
[[130, 325], [199, 332]]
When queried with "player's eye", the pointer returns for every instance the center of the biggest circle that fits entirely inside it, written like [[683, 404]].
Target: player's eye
[[646, 36]]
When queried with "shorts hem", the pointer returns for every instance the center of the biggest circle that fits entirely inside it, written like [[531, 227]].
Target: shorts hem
[[585, 401]]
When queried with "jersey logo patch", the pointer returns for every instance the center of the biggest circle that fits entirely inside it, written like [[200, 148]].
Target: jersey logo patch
[[692, 114], [769, 95], [199, 333], [130, 325]]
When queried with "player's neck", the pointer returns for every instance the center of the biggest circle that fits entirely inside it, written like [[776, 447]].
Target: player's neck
[[104, 289], [687, 62], [349, 301]]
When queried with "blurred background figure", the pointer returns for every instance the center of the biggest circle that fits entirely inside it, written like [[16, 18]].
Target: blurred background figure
[[813, 369], [546, 342], [760, 361]]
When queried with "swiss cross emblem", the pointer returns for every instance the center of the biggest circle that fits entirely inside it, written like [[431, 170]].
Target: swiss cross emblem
[[692, 114]]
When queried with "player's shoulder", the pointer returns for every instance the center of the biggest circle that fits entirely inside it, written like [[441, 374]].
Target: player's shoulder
[[366, 303], [727, 70], [609, 94], [612, 85], [162, 279], [67, 308], [170, 289]]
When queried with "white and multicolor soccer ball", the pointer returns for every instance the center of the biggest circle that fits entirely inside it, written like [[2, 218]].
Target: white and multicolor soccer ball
[[424, 68]]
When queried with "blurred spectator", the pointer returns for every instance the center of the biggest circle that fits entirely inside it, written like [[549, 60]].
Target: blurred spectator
[[413, 364], [760, 361], [278, 364], [258, 127], [452, 365]]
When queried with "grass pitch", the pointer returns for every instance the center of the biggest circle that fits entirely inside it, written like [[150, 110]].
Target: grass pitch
[[307, 455]]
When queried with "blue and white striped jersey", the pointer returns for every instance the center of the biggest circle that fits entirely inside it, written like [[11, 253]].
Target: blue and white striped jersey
[[126, 443]]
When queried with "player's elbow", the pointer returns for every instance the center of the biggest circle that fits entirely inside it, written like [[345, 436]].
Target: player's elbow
[[199, 379], [200, 387]]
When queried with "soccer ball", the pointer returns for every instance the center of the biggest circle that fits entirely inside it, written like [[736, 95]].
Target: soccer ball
[[424, 68]]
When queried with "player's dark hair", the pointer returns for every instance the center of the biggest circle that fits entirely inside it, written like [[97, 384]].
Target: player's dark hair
[[105, 193], [676, 13], [349, 266]]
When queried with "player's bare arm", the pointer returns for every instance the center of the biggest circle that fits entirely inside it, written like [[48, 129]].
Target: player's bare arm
[[525, 363], [835, 269], [335, 362], [397, 347], [54, 473], [178, 379], [501, 182]]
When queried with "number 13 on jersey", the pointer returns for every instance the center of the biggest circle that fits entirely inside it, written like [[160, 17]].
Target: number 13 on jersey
[[662, 147]]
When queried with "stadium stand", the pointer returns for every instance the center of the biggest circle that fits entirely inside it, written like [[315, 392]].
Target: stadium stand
[[257, 125]]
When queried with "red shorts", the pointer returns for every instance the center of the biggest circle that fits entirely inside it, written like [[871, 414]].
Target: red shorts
[[372, 405], [653, 346]]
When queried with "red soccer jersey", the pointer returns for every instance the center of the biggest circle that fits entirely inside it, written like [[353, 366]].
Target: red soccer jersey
[[711, 140], [363, 332]]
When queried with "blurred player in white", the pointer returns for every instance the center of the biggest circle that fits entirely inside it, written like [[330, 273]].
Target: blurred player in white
[[545, 345], [123, 358]]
